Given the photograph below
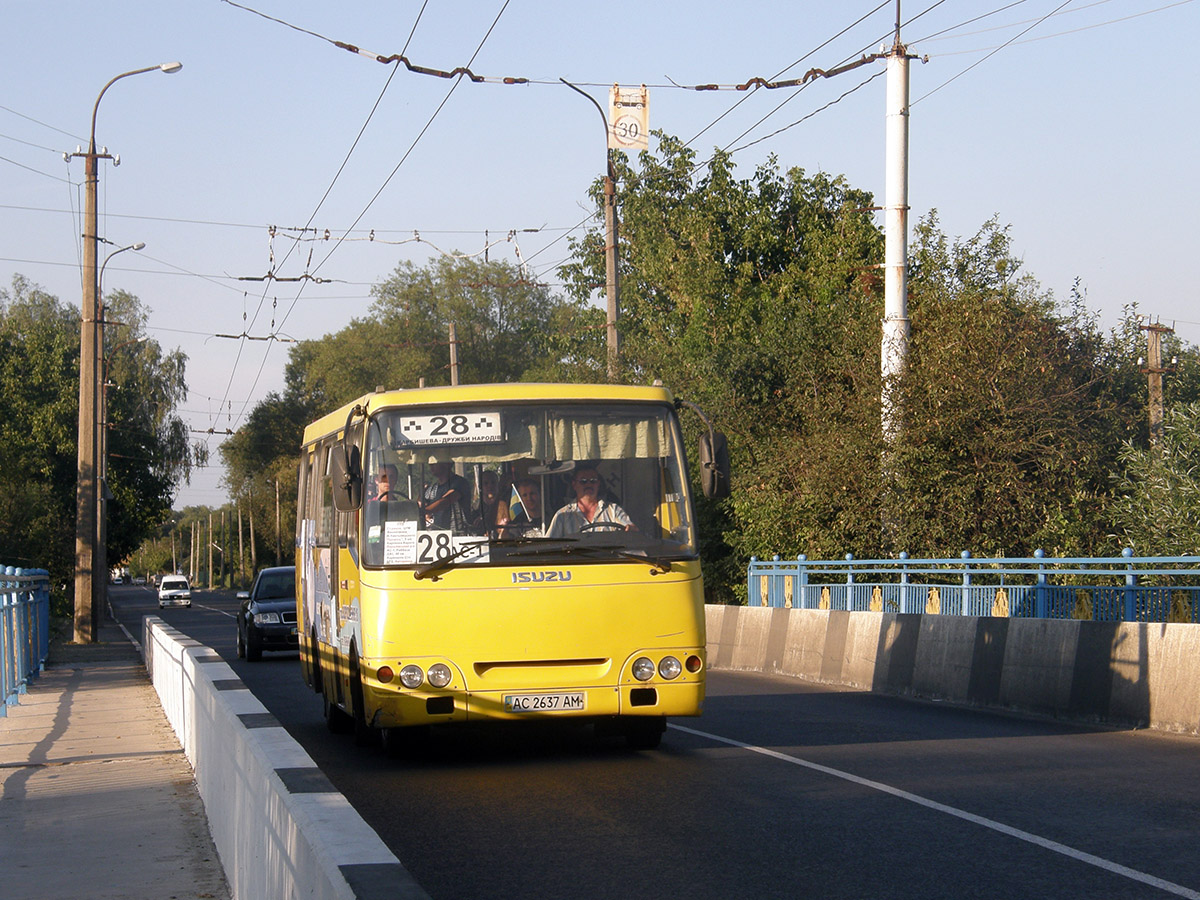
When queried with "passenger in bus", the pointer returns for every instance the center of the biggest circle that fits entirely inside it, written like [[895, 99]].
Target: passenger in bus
[[447, 500], [590, 510], [492, 512], [526, 508]]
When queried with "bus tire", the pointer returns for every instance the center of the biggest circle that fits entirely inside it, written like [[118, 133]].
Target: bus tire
[[336, 719], [364, 734]]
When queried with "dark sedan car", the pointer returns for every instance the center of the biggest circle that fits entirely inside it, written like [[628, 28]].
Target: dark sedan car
[[266, 618]]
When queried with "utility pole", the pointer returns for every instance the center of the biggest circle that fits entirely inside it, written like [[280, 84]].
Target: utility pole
[[611, 286], [453, 356], [210, 552], [91, 586], [1154, 372], [278, 544], [253, 550], [894, 345]]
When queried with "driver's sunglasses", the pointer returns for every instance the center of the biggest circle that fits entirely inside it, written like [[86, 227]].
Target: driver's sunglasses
[[588, 480]]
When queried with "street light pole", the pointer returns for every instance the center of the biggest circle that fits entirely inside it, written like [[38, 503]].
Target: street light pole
[[611, 273], [100, 586], [87, 596]]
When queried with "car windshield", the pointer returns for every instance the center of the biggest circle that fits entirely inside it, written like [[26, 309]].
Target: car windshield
[[276, 586], [174, 584], [502, 483]]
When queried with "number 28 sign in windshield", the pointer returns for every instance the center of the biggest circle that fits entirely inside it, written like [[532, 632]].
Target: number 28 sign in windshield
[[450, 429]]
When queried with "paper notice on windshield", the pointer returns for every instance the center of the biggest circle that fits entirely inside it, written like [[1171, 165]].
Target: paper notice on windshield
[[400, 543]]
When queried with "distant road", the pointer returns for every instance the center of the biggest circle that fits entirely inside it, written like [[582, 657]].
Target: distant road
[[782, 789]]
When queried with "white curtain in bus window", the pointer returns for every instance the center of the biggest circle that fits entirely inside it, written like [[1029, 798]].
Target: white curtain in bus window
[[603, 437]]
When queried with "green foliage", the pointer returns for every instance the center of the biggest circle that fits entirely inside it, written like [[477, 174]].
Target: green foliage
[[507, 329], [1013, 411], [39, 391], [1157, 512], [756, 299], [148, 450]]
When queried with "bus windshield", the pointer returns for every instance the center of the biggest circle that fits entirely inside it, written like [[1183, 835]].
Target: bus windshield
[[504, 483]]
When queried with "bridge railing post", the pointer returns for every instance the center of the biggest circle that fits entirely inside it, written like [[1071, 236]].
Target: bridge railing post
[[1129, 611], [802, 577], [1041, 603], [849, 582], [966, 584]]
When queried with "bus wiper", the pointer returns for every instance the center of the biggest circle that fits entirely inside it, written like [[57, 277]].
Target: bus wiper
[[446, 562]]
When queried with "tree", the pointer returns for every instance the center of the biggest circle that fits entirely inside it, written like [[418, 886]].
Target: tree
[[260, 463], [148, 451], [756, 299], [1157, 511], [506, 327], [1013, 409]]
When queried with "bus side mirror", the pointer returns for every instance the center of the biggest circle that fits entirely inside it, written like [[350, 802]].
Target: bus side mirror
[[714, 465], [346, 470]]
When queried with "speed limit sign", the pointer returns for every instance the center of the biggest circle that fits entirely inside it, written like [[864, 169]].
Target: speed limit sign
[[629, 118]]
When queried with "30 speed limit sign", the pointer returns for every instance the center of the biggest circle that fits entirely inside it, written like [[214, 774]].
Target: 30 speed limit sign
[[629, 118]]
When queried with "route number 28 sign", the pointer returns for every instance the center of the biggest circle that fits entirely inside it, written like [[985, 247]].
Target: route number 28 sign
[[629, 118]]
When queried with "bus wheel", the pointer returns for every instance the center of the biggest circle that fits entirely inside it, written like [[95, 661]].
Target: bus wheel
[[644, 733], [336, 720], [364, 734]]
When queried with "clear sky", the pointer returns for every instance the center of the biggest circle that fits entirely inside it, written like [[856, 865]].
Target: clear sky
[[1075, 123]]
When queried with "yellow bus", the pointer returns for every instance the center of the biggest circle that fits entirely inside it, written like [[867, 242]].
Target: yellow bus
[[502, 552]]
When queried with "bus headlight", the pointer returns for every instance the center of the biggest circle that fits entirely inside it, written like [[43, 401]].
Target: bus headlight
[[411, 676], [439, 675], [643, 669], [669, 667]]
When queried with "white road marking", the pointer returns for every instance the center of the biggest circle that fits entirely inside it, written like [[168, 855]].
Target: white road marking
[[1046, 843], [214, 609]]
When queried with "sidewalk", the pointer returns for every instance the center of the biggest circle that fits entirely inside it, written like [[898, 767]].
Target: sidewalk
[[97, 799]]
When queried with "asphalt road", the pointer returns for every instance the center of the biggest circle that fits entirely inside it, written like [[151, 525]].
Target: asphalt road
[[781, 789]]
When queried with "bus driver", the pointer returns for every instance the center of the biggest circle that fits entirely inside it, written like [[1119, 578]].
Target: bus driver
[[589, 508]]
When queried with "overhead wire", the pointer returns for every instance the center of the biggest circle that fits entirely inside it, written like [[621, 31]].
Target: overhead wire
[[979, 62], [320, 203]]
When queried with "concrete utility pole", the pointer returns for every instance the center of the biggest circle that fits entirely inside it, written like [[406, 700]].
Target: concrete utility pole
[[1154, 372], [453, 356], [894, 345], [90, 584]]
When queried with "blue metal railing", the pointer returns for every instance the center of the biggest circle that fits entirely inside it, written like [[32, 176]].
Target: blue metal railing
[[1108, 589], [24, 630]]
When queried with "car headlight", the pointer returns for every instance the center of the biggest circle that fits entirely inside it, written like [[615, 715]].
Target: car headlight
[[643, 668], [411, 676], [669, 667], [266, 618], [439, 675]]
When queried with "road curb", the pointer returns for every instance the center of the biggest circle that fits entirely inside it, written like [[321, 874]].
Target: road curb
[[280, 827]]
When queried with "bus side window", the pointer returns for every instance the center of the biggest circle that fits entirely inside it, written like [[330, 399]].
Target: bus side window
[[324, 491]]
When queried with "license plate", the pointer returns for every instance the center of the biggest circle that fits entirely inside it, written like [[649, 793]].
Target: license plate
[[536, 703]]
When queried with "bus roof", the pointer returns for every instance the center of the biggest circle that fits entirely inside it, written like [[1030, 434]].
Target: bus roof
[[518, 391]]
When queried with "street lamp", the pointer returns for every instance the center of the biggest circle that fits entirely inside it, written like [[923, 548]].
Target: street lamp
[[612, 287], [102, 494], [87, 597]]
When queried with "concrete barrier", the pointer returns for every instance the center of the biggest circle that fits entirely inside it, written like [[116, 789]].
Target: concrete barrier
[[280, 827], [1120, 673]]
